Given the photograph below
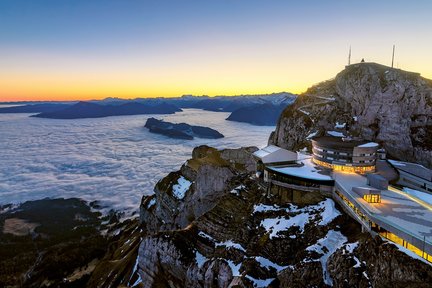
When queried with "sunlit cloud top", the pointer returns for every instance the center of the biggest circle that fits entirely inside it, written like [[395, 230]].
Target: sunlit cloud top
[[59, 50]]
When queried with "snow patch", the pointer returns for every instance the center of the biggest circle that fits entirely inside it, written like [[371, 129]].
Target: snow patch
[[304, 112], [151, 203], [351, 246], [205, 235], [135, 270], [266, 263], [357, 265], [182, 186], [311, 135], [335, 134], [369, 145], [200, 259], [330, 212], [258, 283], [332, 241], [283, 223], [270, 208], [234, 268], [237, 190], [232, 244], [340, 125], [278, 224]]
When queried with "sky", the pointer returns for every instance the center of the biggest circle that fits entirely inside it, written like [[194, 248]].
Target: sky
[[81, 50]]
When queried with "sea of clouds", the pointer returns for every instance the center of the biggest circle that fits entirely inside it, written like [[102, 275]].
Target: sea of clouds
[[114, 160]]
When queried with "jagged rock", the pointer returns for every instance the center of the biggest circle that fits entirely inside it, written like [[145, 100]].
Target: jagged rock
[[209, 171], [378, 264], [377, 103], [302, 275], [163, 259], [236, 237]]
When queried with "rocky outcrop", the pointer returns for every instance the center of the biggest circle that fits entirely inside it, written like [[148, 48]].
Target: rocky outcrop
[[368, 101], [376, 263], [239, 237], [207, 175]]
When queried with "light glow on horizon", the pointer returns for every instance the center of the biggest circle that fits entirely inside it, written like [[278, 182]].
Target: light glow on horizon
[[80, 51]]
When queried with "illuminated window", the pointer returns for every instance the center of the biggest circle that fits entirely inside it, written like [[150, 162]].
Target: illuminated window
[[343, 168], [372, 198]]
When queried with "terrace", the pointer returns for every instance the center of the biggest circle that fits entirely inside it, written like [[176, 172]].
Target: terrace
[[399, 217]]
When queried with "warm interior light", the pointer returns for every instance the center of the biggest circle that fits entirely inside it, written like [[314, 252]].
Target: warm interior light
[[345, 169], [372, 198]]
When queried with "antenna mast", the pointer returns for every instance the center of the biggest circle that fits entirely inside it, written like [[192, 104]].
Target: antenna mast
[[349, 56], [393, 55]]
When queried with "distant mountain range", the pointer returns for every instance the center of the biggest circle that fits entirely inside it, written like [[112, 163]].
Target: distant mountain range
[[93, 110], [34, 108], [255, 109], [262, 114]]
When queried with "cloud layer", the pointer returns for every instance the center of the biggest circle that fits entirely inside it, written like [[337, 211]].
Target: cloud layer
[[114, 160]]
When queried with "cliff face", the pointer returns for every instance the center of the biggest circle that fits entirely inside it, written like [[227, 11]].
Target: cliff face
[[366, 100], [223, 230]]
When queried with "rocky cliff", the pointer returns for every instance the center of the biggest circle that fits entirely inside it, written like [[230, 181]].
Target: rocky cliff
[[210, 224], [366, 100]]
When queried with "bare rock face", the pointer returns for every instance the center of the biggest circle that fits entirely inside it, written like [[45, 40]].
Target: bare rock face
[[207, 173], [375, 263], [372, 102]]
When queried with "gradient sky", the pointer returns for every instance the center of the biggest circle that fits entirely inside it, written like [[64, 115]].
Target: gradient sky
[[82, 49]]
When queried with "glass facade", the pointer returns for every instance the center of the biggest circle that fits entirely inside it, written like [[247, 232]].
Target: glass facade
[[345, 168]]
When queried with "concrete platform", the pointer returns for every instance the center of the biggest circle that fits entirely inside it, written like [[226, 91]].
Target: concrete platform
[[398, 213]]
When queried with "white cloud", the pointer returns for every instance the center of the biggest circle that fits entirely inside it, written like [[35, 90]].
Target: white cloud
[[114, 160]]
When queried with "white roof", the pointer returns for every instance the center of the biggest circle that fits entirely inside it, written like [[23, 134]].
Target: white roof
[[274, 154], [308, 170], [413, 168]]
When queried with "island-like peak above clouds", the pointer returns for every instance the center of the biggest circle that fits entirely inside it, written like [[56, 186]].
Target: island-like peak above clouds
[[369, 101], [181, 130]]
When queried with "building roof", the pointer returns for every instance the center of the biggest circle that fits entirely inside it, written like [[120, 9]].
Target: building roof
[[413, 168], [362, 191], [341, 143], [398, 212], [306, 169], [275, 154]]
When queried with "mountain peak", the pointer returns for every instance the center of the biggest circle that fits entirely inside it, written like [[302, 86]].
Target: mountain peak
[[375, 102]]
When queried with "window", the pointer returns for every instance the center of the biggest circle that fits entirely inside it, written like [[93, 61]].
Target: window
[[372, 198]]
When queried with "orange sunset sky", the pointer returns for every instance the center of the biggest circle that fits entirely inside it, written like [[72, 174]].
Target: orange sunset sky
[[76, 50]]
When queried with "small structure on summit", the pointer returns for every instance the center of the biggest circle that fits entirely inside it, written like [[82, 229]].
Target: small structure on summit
[[344, 155]]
